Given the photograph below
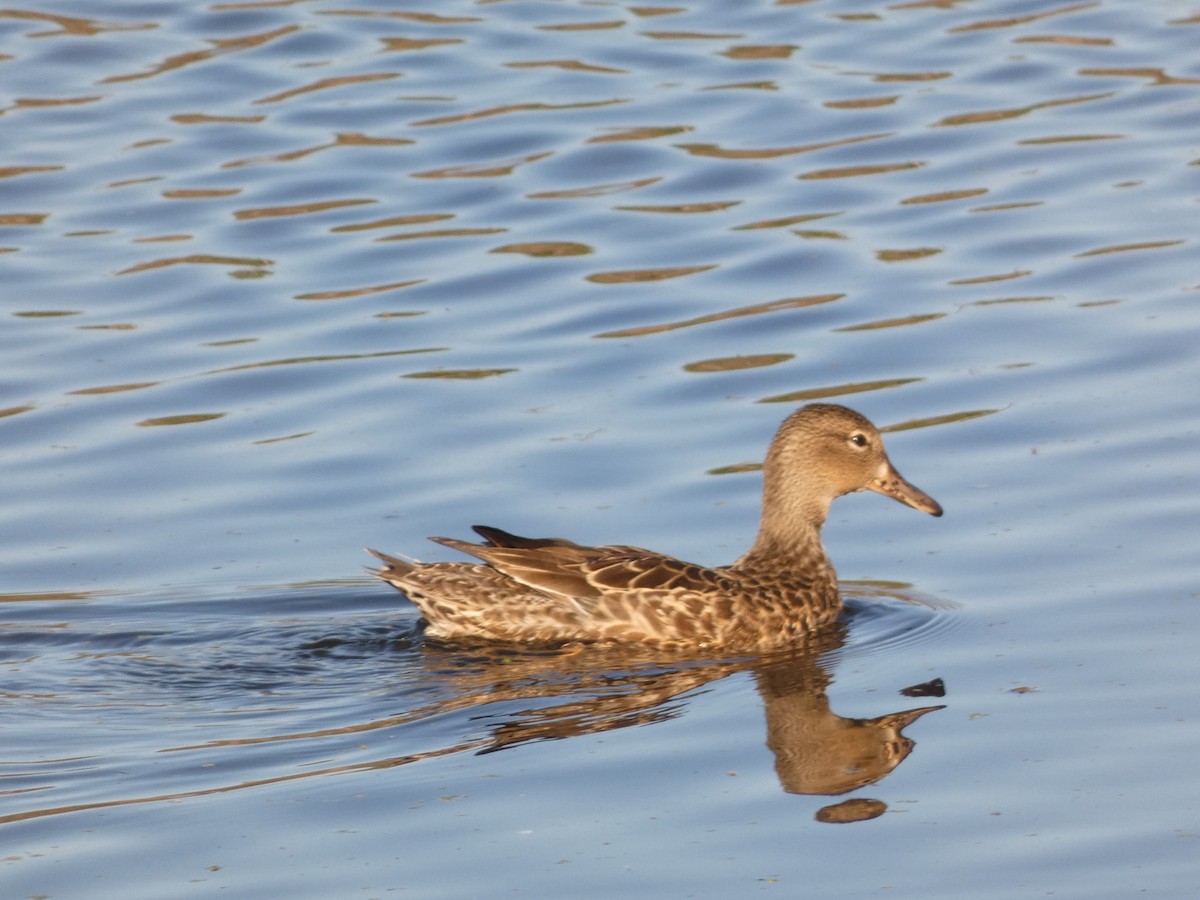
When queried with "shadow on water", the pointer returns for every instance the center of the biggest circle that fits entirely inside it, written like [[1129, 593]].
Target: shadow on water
[[280, 693]]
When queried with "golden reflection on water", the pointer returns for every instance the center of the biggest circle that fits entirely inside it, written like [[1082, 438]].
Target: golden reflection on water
[[51, 102], [946, 419], [546, 248], [510, 108], [1156, 76], [788, 220], [860, 171], [644, 133], [570, 65], [996, 301], [181, 419], [220, 47], [862, 102], [459, 374], [585, 26], [906, 255], [1069, 139], [761, 51], [19, 219], [326, 84], [323, 358], [1065, 39], [755, 310], [300, 209], [718, 152], [41, 596], [1000, 115], [341, 139], [286, 437], [814, 234], [691, 35], [205, 119], [736, 363], [441, 233], [631, 276], [15, 171], [393, 222], [1014, 21], [115, 388], [422, 17], [200, 193], [943, 196], [893, 323], [1003, 207], [838, 390], [714, 206], [890, 77], [70, 25], [596, 190], [202, 259], [351, 293], [987, 279], [1124, 248], [495, 169], [405, 45]]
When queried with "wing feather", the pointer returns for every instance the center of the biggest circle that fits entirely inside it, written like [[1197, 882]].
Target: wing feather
[[586, 574]]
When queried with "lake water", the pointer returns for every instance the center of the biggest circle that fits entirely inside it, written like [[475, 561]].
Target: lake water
[[283, 279]]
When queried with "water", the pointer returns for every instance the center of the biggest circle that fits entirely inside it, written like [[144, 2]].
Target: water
[[283, 280]]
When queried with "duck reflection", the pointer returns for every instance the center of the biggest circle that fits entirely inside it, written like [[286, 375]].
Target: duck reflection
[[594, 690], [506, 697]]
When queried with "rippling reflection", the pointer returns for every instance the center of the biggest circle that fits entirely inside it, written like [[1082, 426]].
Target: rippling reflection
[[502, 698]]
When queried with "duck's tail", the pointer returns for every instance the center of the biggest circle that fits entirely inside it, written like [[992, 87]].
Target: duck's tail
[[392, 567]]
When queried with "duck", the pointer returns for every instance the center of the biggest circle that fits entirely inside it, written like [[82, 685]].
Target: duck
[[553, 591]]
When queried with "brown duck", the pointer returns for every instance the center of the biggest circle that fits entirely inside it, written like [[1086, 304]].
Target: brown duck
[[551, 590]]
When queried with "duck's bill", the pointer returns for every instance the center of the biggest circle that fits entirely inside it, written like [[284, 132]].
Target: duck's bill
[[891, 484]]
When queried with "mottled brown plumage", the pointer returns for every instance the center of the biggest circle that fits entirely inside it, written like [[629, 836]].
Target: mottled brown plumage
[[549, 590]]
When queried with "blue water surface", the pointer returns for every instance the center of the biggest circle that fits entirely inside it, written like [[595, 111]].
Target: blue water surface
[[281, 280]]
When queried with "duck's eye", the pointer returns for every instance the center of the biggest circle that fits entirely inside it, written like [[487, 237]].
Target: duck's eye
[[858, 439]]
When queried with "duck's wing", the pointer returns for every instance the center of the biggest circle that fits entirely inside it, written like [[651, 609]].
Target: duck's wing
[[588, 574], [497, 537]]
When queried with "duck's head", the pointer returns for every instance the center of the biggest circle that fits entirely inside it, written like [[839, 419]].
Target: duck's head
[[823, 451]]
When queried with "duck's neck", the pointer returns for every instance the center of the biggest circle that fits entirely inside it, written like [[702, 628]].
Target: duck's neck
[[799, 551], [789, 538]]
